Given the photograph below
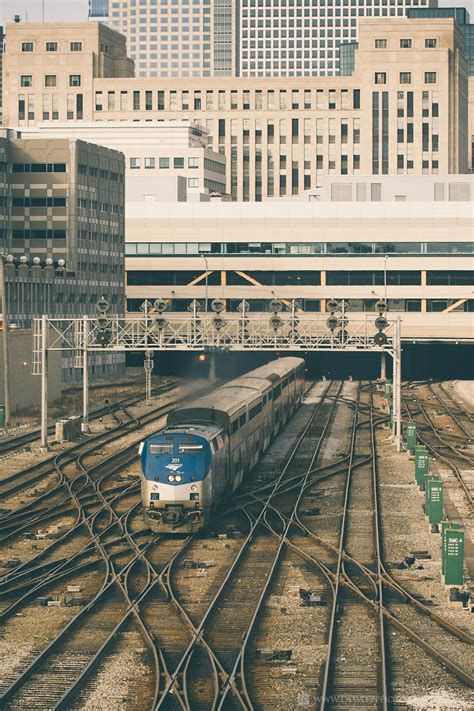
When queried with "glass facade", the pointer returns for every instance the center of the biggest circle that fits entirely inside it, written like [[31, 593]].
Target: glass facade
[[191, 249], [98, 8], [461, 15]]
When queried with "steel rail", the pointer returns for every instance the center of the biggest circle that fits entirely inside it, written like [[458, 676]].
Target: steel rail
[[199, 630], [435, 451]]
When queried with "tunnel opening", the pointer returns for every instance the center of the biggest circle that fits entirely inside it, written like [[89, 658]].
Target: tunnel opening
[[443, 361]]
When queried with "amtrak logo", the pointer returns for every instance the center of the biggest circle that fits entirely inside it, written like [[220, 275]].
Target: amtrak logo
[[173, 467]]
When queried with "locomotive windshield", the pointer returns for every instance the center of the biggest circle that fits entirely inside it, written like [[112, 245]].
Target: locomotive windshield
[[175, 458]]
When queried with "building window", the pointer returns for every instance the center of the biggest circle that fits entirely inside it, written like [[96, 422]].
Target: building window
[[405, 77], [74, 80], [405, 44], [380, 78], [193, 182], [27, 47], [75, 46], [26, 80], [134, 163], [430, 77], [149, 162], [50, 79], [178, 163], [193, 162], [380, 44], [431, 43], [51, 46], [164, 162]]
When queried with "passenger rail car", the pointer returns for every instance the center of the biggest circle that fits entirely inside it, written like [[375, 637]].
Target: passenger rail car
[[210, 444]]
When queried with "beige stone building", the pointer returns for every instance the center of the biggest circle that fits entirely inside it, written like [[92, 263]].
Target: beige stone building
[[403, 111]]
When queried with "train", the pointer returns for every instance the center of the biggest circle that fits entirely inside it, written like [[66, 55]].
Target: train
[[209, 445]]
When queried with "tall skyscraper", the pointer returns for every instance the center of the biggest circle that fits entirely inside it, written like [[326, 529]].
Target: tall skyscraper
[[178, 38], [173, 38], [302, 37]]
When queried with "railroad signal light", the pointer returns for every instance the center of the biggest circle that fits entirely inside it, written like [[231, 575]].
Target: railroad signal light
[[219, 323], [218, 305], [195, 305], [243, 306], [103, 339], [381, 323], [161, 323], [332, 322], [380, 339], [276, 322], [381, 306], [160, 305], [103, 305], [102, 323], [332, 305], [276, 305]]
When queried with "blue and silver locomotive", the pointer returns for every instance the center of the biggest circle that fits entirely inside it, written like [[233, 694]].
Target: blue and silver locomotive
[[210, 444]]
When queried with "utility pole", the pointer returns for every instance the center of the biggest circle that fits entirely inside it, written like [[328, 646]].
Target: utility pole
[[5, 351]]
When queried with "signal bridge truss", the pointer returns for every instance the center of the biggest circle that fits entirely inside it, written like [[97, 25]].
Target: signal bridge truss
[[158, 332]]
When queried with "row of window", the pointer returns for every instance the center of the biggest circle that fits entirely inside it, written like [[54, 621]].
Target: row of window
[[404, 78], [407, 43], [298, 278], [39, 202], [38, 234], [285, 248], [50, 80], [165, 163], [98, 206], [39, 168], [314, 305], [51, 46], [95, 172], [223, 99]]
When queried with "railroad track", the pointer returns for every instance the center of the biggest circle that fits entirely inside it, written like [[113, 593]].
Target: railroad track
[[17, 442], [437, 443], [219, 639], [201, 658]]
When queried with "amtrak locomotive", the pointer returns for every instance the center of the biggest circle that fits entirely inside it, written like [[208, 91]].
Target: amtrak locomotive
[[210, 444]]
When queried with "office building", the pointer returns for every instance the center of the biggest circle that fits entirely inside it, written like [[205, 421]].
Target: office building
[[63, 201], [302, 38], [404, 109], [350, 240], [152, 150], [173, 39]]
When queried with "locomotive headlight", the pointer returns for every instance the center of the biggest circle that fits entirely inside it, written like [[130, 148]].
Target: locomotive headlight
[[177, 477], [171, 477], [194, 487]]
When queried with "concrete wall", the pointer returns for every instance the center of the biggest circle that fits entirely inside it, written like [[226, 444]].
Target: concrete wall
[[25, 388]]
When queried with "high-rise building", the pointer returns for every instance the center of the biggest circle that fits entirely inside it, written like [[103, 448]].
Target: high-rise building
[[403, 110], [63, 199], [302, 37], [173, 38], [179, 39]]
